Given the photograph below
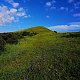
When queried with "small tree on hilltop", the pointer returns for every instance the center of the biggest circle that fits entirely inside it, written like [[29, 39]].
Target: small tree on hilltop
[[55, 31]]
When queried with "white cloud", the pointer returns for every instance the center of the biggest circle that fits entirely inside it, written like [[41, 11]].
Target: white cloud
[[20, 14], [4, 17], [9, 1], [28, 16], [52, 5], [62, 8], [15, 5], [53, 1], [65, 28], [77, 5], [49, 4], [13, 10], [75, 23], [47, 16], [52, 8], [20, 9], [76, 15], [11, 14], [70, 1]]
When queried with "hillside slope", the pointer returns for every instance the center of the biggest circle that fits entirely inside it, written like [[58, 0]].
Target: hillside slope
[[44, 56]]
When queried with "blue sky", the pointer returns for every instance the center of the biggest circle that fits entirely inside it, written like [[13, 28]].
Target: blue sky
[[59, 15]]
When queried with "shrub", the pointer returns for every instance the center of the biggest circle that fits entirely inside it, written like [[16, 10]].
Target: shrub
[[25, 33], [2, 43], [68, 35], [55, 31], [32, 33]]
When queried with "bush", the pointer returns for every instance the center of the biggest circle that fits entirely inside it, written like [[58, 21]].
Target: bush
[[32, 33], [72, 35], [10, 38], [2, 43], [25, 33], [55, 31]]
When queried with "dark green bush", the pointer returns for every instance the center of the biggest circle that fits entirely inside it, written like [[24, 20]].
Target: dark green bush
[[55, 31], [68, 35], [32, 33], [2, 43], [12, 38], [25, 33]]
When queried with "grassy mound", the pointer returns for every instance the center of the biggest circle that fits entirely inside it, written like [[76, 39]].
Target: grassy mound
[[44, 56]]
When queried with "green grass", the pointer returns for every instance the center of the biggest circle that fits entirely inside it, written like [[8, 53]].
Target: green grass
[[45, 56]]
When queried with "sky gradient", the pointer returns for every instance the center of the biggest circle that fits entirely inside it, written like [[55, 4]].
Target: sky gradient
[[59, 15]]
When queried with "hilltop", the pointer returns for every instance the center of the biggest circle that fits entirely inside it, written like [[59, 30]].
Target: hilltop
[[39, 54], [37, 29]]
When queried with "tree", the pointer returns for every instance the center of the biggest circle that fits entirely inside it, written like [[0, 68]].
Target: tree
[[55, 31]]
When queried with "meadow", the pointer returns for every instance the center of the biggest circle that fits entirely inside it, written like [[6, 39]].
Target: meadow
[[39, 54]]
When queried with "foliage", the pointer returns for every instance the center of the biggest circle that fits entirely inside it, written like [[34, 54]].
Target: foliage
[[55, 31], [45, 56], [13, 38], [68, 35], [2, 43]]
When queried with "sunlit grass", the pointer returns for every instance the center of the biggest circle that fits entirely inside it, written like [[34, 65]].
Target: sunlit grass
[[45, 56]]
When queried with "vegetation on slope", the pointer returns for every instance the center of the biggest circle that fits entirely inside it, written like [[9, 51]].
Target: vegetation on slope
[[45, 56], [13, 37]]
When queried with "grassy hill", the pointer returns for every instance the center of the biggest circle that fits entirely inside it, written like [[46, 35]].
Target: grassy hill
[[39, 54]]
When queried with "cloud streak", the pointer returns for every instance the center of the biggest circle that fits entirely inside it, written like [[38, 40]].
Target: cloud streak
[[66, 28], [76, 15], [70, 1]]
